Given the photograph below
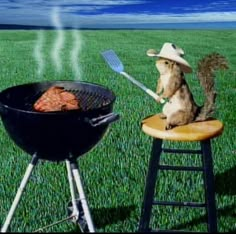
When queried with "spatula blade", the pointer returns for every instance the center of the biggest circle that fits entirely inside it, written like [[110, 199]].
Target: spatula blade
[[113, 61]]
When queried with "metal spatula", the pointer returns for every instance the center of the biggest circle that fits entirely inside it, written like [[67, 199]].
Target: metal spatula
[[116, 65]]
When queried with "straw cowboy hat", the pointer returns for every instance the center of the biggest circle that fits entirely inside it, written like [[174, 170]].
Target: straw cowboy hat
[[172, 52]]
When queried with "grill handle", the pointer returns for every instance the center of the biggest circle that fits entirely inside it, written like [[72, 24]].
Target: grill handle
[[1, 109], [103, 120]]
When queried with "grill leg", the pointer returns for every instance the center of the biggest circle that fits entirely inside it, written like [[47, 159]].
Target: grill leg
[[150, 185], [78, 182], [209, 186], [19, 192], [72, 191]]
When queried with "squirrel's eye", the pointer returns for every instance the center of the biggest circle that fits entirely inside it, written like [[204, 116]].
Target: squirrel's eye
[[166, 62]]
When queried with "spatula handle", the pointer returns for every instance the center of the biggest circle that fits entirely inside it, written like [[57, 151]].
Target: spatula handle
[[143, 87]]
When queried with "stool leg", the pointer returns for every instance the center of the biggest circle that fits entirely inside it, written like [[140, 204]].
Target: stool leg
[[209, 185], [150, 186]]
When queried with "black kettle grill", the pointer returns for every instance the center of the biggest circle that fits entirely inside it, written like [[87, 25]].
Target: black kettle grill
[[57, 136]]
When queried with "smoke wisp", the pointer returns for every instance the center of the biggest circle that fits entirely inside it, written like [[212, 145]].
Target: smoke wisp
[[59, 42], [57, 47], [76, 48], [38, 52]]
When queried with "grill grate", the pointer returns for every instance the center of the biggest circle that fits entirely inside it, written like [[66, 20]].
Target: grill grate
[[88, 100]]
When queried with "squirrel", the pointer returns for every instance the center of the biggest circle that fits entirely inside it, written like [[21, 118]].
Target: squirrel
[[181, 108]]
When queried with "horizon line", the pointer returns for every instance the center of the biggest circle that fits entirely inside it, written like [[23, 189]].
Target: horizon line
[[182, 25]]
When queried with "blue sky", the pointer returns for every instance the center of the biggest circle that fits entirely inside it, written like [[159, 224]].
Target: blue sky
[[115, 13]]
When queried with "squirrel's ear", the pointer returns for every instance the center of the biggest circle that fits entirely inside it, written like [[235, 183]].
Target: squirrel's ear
[[151, 53]]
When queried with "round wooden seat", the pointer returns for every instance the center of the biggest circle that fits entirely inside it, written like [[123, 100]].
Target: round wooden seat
[[155, 126]]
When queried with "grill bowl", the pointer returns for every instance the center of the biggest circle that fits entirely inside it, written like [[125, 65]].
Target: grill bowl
[[55, 136]]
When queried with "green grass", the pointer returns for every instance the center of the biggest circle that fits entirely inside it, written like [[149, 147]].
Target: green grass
[[114, 171]]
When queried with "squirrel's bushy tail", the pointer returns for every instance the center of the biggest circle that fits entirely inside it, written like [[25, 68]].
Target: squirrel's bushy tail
[[206, 74]]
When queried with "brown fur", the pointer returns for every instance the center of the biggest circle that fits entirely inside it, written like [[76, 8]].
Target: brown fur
[[181, 108]]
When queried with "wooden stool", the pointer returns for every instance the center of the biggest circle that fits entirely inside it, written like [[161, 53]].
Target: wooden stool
[[199, 132]]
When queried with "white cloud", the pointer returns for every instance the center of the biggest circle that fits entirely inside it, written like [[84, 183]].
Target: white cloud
[[220, 5], [45, 4], [39, 13], [40, 8], [163, 18], [121, 19]]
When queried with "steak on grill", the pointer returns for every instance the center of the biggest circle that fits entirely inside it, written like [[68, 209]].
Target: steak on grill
[[56, 98]]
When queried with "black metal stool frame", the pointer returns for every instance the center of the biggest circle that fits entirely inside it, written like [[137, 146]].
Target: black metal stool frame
[[154, 167]]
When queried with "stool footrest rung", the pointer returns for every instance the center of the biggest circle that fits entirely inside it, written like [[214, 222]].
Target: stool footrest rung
[[186, 204], [180, 168], [155, 167], [181, 151]]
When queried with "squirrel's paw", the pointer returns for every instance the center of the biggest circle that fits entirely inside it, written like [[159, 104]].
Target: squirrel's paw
[[168, 127], [162, 116], [158, 99]]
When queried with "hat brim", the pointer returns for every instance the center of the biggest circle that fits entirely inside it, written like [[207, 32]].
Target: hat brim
[[182, 62]]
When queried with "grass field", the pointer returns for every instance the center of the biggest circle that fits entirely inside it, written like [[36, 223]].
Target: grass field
[[114, 171]]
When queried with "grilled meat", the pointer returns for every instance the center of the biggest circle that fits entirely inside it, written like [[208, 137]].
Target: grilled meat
[[56, 99]]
